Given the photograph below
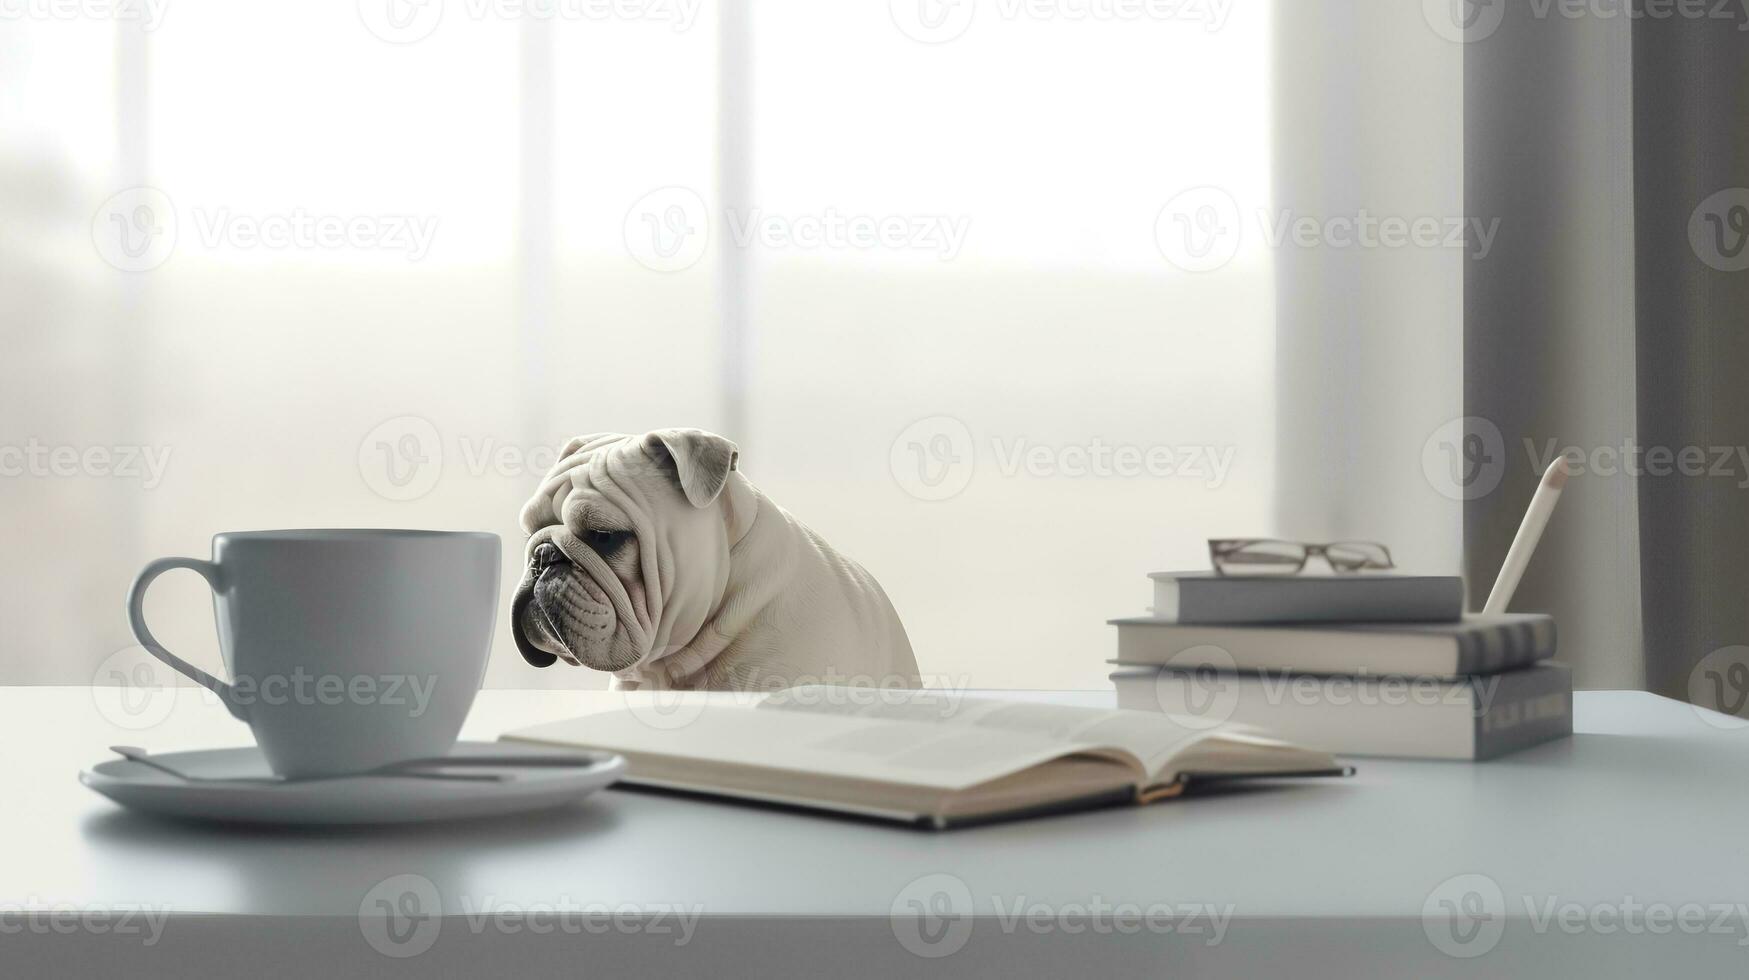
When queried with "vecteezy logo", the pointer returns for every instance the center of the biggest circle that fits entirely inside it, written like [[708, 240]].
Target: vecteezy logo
[[932, 21], [135, 230], [1199, 229], [1720, 682], [665, 710], [932, 916], [401, 21], [1464, 916], [401, 459], [668, 229], [1461, 21], [401, 916], [1718, 231], [1199, 687], [1465, 458], [133, 690], [933, 459]]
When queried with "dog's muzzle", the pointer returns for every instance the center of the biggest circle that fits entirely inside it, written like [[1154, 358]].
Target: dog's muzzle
[[561, 613]]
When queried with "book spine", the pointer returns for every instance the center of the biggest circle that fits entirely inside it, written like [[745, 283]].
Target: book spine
[[1517, 710], [1505, 646]]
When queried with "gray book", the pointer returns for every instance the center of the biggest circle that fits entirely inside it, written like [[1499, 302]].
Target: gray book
[[1468, 718], [1194, 598], [1478, 644]]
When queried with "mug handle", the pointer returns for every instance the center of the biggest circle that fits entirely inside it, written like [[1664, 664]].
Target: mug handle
[[137, 619]]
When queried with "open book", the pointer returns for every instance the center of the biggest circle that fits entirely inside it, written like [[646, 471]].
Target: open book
[[926, 757]]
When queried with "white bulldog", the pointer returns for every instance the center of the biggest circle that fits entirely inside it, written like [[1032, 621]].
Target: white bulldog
[[652, 558]]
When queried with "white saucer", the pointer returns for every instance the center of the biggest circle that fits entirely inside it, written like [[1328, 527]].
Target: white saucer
[[348, 800]]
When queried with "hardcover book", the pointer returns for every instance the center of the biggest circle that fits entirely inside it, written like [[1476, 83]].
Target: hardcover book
[[1206, 598], [927, 757], [1468, 718], [1477, 644]]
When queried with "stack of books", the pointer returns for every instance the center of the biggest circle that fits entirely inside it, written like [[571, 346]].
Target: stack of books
[[1386, 665]]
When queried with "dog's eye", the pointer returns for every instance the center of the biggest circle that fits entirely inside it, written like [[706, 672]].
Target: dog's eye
[[605, 543]]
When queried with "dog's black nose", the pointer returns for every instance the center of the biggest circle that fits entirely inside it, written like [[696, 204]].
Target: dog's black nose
[[546, 555]]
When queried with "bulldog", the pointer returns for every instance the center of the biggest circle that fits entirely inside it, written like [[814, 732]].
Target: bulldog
[[652, 558]]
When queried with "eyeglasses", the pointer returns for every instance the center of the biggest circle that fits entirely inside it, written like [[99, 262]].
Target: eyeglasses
[[1266, 556]]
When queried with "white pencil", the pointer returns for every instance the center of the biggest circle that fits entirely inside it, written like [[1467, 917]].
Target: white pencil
[[1548, 493]]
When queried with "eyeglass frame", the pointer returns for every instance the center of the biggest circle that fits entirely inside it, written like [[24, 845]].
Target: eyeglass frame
[[1220, 547]]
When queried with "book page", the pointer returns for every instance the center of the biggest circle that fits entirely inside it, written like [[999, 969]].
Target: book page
[[1153, 739], [865, 748]]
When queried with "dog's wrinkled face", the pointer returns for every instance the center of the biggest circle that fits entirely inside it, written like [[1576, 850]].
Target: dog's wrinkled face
[[568, 614], [627, 555]]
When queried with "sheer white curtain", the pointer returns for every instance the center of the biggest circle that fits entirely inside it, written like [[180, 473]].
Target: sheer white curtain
[[952, 281], [1369, 199]]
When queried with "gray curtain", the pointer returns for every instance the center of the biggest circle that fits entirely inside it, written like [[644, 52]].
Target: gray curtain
[[1691, 149], [1597, 324]]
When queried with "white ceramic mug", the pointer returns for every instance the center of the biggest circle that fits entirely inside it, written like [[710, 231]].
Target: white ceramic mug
[[347, 649]]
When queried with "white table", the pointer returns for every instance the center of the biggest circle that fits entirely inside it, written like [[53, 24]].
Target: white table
[[1563, 860]]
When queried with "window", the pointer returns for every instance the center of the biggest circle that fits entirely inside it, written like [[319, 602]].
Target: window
[[919, 278]]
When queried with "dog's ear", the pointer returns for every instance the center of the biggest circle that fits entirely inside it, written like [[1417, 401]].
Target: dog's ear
[[702, 461]]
